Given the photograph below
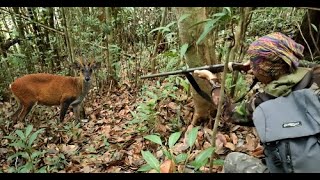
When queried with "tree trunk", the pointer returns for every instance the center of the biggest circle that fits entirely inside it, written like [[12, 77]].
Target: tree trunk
[[105, 18], [311, 38], [245, 17], [159, 35], [110, 39], [54, 46], [195, 56], [39, 36], [23, 46], [210, 43], [67, 37]]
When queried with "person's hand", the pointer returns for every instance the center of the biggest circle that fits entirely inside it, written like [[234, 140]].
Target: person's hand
[[205, 74]]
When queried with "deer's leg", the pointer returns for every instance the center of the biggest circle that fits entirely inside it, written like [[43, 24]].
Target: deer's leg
[[26, 108], [64, 107], [16, 113], [82, 111], [79, 111], [76, 111]]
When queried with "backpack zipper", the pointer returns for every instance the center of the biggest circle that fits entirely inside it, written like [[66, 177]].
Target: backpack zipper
[[288, 157]]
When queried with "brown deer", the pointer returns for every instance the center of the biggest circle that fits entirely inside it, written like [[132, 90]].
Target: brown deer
[[50, 89]]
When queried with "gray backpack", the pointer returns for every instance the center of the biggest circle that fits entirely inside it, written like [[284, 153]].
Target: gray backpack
[[289, 129]]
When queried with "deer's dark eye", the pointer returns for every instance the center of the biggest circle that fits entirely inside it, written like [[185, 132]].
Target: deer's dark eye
[[82, 70], [90, 70]]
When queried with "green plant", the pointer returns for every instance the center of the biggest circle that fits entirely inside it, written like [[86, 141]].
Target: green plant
[[147, 110], [241, 85], [72, 129], [55, 163], [23, 142], [210, 24], [153, 163]]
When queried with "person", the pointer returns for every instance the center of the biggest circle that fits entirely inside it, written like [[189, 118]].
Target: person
[[274, 62]]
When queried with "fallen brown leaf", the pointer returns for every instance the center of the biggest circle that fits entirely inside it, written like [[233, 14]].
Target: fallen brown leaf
[[206, 145], [258, 152], [180, 147], [235, 128], [168, 166], [227, 138], [219, 146], [231, 146], [234, 138], [68, 149], [172, 105], [221, 138], [250, 145]]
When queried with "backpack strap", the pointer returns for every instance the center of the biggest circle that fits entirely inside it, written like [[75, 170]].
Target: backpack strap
[[274, 153], [195, 85]]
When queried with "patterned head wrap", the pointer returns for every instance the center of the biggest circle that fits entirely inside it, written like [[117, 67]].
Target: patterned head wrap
[[274, 55]]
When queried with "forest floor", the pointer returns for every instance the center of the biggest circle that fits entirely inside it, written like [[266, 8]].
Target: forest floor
[[112, 140]]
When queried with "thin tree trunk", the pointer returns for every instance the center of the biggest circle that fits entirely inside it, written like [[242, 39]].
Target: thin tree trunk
[[159, 35], [103, 17], [110, 39], [67, 37], [245, 17], [39, 38], [210, 41], [56, 56], [314, 18], [219, 112], [23, 45]]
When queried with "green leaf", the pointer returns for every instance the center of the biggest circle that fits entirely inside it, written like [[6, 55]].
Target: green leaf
[[20, 134], [28, 130], [160, 28], [14, 156], [145, 168], [174, 138], [183, 50], [42, 170], [25, 155], [204, 155], [18, 144], [36, 154], [151, 95], [314, 27], [183, 17], [228, 9], [151, 160], [192, 136], [207, 28], [11, 170], [218, 162], [26, 168], [167, 154], [199, 164], [170, 24], [200, 22], [219, 14], [154, 138], [34, 136], [181, 157], [202, 158], [10, 137]]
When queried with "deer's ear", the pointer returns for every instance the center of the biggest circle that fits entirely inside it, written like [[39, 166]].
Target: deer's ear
[[76, 65], [96, 65]]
